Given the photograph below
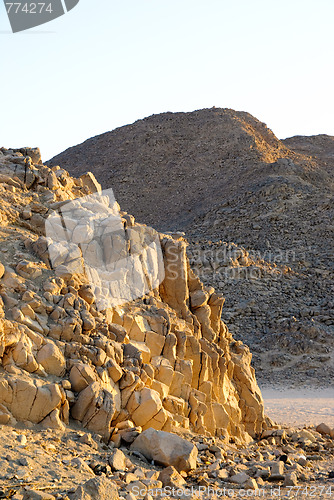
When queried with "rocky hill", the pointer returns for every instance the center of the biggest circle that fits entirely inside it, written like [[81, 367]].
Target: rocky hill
[[174, 166], [165, 360], [257, 212], [121, 402], [319, 147]]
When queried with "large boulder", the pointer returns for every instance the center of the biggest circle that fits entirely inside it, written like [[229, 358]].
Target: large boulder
[[52, 360], [98, 488], [27, 400], [144, 405], [166, 449], [95, 408], [88, 180]]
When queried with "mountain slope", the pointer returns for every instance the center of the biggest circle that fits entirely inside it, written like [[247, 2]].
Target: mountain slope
[[258, 213], [177, 165], [320, 147]]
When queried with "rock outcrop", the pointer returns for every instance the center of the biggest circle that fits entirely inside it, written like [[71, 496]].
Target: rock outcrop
[[164, 361]]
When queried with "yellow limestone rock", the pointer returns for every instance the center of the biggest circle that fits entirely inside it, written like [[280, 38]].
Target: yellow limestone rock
[[149, 405], [166, 449]]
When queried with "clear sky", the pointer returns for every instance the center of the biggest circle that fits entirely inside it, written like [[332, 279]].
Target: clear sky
[[108, 63]]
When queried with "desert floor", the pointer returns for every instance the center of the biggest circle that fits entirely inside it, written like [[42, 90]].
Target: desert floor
[[299, 407]]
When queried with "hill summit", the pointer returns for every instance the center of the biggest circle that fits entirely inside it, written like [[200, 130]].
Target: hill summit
[[173, 166]]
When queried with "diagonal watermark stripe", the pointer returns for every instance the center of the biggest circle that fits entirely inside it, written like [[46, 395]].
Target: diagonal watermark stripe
[[87, 236], [25, 15]]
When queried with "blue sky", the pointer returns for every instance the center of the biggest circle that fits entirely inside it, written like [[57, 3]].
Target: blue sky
[[106, 64]]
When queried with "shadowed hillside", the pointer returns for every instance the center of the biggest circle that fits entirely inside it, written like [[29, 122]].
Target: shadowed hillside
[[258, 214]]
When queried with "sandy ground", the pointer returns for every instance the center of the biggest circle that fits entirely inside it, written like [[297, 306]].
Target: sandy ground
[[299, 407], [57, 462]]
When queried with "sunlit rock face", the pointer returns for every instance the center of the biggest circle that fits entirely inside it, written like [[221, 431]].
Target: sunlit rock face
[[103, 321]]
